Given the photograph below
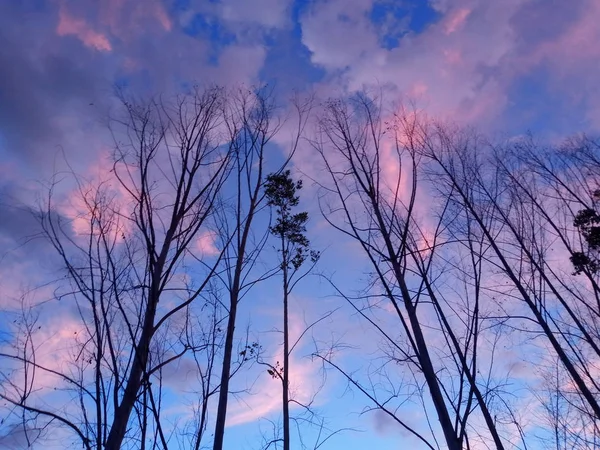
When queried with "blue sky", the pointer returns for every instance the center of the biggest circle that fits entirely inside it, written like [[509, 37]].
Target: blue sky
[[505, 68]]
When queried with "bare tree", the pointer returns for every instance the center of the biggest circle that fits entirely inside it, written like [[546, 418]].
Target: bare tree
[[530, 204], [252, 125], [293, 248], [21, 361], [376, 186], [565, 426], [135, 238], [469, 245]]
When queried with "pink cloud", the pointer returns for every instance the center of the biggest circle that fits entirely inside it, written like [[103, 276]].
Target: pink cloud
[[468, 60], [572, 45], [418, 90], [205, 244], [98, 201], [162, 17], [453, 57], [69, 25], [265, 400], [572, 58], [442, 65], [122, 19], [456, 20]]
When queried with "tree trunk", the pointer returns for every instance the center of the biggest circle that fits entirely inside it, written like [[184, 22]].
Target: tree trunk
[[225, 375], [286, 360], [134, 381]]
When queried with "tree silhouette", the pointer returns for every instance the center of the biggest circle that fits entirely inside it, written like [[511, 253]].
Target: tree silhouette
[[587, 222], [294, 249]]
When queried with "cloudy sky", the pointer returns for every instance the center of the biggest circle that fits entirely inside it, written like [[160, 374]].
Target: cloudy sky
[[505, 67]]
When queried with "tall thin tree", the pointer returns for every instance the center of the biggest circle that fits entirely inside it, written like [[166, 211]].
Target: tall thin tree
[[252, 125], [294, 249]]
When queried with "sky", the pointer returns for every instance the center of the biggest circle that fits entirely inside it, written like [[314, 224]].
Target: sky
[[504, 67]]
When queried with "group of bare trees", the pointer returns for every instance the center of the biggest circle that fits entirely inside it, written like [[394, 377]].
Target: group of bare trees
[[473, 246], [482, 263], [157, 254]]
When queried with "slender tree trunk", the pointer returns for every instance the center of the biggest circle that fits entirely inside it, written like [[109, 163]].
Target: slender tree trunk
[[427, 367], [225, 374], [233, 300], [286, 361], [140, 360], [250, 131], [467, 370], [290, 228], [134, 381], [421, 345]]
